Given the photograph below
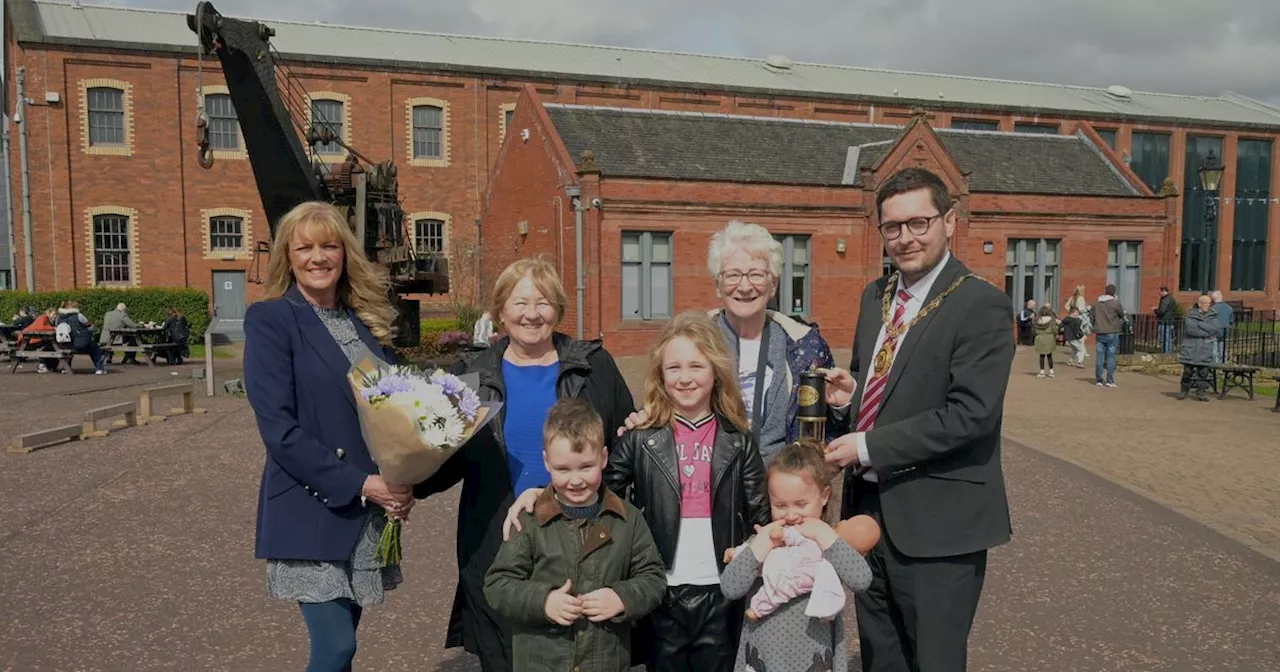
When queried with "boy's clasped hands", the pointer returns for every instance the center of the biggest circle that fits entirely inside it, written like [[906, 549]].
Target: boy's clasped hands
[[563, 607]]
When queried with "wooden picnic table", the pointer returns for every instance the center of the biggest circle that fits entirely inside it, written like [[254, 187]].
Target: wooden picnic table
[[143, 340], [8, 339], [41, 344]]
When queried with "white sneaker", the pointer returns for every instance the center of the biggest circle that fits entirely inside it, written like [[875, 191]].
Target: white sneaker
[[100, 372], [1112, 385], [1050, 373], [1099, 383], [1041, 374]]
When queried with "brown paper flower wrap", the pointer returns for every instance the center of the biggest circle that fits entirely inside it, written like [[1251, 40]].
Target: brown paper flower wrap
[[413, 421]]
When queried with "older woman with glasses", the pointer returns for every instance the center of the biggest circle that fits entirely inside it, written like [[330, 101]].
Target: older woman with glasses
[[771, 349]]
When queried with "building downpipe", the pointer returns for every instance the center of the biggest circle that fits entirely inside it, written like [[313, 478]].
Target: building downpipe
[[21, 119], [8, 207]]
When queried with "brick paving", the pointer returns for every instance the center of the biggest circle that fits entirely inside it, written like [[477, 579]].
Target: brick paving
[[135, 552]]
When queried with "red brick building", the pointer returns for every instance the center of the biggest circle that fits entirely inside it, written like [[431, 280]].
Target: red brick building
[[116, 196], [655, 184]]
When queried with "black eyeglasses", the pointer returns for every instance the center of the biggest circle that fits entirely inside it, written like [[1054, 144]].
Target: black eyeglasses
[[918, 226]]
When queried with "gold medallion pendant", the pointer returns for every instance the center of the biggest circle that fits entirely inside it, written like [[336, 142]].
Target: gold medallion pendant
[[883, 358]]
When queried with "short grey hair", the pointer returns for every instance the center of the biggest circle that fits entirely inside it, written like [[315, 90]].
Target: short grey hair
[[120, 307], [753, 239], [1216, 295]]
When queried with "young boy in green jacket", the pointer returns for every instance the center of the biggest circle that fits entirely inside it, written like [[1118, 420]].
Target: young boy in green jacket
[[584, 567]]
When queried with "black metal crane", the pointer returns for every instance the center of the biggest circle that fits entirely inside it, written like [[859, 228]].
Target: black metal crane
[[275, 120]]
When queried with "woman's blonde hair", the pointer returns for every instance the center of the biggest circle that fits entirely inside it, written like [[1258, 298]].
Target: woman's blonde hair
[[726, 396], [545, 278], [363, 286]]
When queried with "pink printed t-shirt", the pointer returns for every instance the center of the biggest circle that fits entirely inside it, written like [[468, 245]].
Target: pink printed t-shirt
[[695, 559]]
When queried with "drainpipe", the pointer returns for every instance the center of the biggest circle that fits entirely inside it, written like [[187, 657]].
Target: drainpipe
[[574, 192], [26, 181], [8, 206]]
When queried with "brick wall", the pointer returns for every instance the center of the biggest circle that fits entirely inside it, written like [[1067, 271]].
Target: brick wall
[[160, 180]]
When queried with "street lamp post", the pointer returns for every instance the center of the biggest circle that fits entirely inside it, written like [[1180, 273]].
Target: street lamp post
[[1210, 176]]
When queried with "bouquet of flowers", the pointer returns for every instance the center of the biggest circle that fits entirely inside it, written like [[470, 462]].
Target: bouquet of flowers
[[413, 421]]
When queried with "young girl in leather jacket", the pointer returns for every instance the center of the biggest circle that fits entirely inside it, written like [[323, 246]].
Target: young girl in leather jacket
[[695, 472]]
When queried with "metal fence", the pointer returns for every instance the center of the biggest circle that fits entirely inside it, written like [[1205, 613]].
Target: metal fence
[[1254, 338]]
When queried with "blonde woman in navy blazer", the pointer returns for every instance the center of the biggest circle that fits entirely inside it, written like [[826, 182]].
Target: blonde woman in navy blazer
[[321, 501]]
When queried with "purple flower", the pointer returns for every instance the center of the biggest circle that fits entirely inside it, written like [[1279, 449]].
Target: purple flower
[[469, 405], [387, 385], [449, 383]]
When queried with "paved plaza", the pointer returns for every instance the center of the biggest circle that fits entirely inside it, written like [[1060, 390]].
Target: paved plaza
[[1146, 537]]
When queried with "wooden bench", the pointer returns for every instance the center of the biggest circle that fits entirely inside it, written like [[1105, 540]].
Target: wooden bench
[[127, 411], [46, 437], [65, 354], [150, 393], [1236, 375]]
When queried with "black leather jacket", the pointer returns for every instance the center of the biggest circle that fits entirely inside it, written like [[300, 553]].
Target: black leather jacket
[[643, 468]]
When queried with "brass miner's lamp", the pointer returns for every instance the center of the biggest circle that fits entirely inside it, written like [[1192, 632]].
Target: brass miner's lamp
[[812, 398]]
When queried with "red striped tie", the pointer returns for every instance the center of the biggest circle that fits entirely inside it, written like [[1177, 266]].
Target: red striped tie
[[874, 394]]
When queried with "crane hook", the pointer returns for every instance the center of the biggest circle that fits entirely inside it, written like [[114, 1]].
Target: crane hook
[[202, 141]]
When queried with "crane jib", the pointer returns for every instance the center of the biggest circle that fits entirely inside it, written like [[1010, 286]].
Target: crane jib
[[275, 121]]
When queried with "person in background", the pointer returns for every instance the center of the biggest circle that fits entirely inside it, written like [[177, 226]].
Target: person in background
[[1226, 318], [482, 333], [175, 330], [23, 319], [1046, 327], [1026, 334], [1166, 312], [1199, 348], [1108, 322], [1073, 333], [46, 321], [114, 321], [76, 331]]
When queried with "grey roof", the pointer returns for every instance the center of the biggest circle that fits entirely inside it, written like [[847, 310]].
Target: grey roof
[[60, 22], [734, 148]]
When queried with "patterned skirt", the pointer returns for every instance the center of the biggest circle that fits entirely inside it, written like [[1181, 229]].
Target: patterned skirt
[[361, 579]]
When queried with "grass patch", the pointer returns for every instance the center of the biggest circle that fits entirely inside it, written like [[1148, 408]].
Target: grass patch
[[197, 352]]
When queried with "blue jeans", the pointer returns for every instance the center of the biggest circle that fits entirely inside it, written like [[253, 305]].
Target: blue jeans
[[332, 627], [1106, 350], [1165, 335]]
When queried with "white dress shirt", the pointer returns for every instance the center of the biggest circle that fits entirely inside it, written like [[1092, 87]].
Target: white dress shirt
[[919, 290]]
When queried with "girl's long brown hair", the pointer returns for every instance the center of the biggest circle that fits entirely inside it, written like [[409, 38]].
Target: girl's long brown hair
[[726, 396], [363, 286]]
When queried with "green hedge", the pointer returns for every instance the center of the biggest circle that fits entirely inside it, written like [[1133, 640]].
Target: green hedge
[[145, 305]]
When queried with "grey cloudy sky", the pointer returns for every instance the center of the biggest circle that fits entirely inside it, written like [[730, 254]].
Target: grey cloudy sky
[[1171, 46]]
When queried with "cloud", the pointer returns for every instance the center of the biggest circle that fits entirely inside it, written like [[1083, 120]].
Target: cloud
[[1170, 46]]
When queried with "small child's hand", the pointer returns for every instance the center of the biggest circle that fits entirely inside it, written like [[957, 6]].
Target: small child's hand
[[602, 605], [561, 607], [861, 532], [764, 540], [818, 531]]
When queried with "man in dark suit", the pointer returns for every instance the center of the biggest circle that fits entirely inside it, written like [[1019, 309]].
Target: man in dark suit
[[923, 448]]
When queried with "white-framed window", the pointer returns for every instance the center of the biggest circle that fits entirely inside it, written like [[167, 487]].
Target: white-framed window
[[428, 132], [428, 235], [224, 126], [6, 279], [112, 255], [226, 233], [106, 116], [647, 288], [326, 113], [794, 295], [1124, 270], [1032, 271]]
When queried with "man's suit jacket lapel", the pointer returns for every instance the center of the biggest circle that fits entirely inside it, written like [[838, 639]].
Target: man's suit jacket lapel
[[949, 273]]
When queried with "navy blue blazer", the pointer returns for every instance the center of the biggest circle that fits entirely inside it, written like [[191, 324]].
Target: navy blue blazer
[[295, 376]]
